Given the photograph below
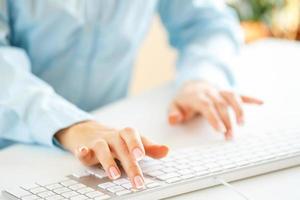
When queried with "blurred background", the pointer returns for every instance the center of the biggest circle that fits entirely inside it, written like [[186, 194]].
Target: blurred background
[[260, 19]]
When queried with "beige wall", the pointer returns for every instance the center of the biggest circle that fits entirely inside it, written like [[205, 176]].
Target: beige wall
[[155, 62]]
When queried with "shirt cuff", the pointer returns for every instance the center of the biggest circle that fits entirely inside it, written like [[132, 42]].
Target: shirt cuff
[[54, 116]]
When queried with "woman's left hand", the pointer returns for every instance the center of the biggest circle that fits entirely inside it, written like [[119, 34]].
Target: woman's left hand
[[201, 98]]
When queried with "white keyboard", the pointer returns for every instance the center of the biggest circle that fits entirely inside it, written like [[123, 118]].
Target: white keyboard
[[182, 171]]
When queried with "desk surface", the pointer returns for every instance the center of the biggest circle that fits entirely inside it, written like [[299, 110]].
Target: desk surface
[[268, 69]]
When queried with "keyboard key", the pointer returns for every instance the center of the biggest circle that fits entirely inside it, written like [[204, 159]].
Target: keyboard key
[[169, 169], [54, 197], [182, 166], [123, 192], [167, 176], [68, 183], [94, 194], [199, 168], [186, 171], [106, 185], [46, 194], [173, 180], [115, 189], [77, 186], [153, 185], [61, 190], [148, 180], [18, 192], [38, 190], [30, 197], [69, 194], [121, 181], [155, 173], [169, 164], [80, 173], [54, 186], [152, 168], [127, 186], [100, 173], [85, 190], [79, 197], [104, 197], [29, 186], [50, 182]]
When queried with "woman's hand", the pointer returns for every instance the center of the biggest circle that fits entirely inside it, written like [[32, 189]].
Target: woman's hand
[[199, 97], [93, 143]]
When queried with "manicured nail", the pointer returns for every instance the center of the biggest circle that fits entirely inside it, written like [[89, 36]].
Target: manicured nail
[[83, 150], [114, 173], [228, 135], [175, 118], [138, 182], [138, 154], [241, 121]]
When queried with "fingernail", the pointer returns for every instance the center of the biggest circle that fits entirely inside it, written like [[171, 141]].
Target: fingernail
[[83, 150], [138, 182], [138, 154], [241, 121], [228, 135], [175, 118], [114, 173]]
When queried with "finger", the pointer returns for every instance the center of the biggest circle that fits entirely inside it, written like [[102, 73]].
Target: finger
[[188, 113], [206, 107], [154, 150], [251, 100], [106, 159], [175, 114], [222, 109], [85, 156], [129, 163], [236, 103], [133, 142]]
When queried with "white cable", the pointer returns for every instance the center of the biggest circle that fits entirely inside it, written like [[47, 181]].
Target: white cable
[[231, 187]]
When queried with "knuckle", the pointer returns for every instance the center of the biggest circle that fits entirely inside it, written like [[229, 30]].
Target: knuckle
[[205, 102], [227, 93], [129, 129], [128, 132], [134, 168], [100, 144], [222, 104]]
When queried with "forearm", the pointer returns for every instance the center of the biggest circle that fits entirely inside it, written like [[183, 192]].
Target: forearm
[[31, 111], [207, 37]]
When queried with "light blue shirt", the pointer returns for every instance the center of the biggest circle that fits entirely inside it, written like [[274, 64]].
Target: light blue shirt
[[62, 58]]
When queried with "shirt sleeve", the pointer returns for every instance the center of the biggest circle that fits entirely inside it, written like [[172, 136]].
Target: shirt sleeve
[[30, 110], [207, 35]]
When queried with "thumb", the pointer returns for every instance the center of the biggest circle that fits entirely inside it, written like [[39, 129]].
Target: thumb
[[154, 150], [175, 115], [84, 154], [251, 100]]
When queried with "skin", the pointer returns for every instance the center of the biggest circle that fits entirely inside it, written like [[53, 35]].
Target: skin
[[93, 143], [201, 98]]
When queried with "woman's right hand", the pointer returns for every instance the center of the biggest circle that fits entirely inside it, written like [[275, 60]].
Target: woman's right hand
[[93, 143]]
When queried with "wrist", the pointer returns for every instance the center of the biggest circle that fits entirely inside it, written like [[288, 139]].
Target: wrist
[[65, 136]]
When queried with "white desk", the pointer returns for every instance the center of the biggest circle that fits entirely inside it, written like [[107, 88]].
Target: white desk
[[268, 69]]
